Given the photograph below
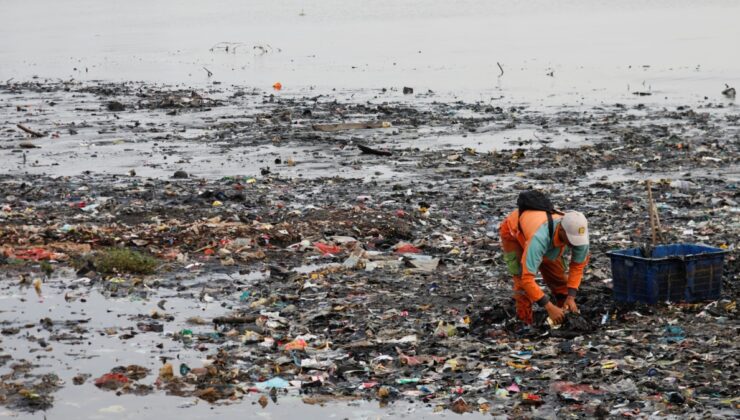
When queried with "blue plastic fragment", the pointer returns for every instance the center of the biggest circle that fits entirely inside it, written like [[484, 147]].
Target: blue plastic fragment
[[674, 334], [276, 382]]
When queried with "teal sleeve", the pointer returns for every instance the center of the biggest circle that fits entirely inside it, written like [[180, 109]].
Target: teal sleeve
[[579, 254], [536, 249]]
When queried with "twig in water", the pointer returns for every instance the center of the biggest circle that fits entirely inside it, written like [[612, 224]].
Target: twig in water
[[226, 46], [500, 68], [263, 49], [208, 72], [33, 133]]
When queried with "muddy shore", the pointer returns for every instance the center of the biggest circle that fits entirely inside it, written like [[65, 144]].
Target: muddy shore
[[289, 264]]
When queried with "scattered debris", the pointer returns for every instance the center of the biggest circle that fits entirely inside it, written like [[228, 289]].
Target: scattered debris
[[729, 91], [115, 106], [334, 289], [351, 126]]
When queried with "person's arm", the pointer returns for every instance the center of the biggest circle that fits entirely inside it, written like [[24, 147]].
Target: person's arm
[[531, 260], [578, 259]]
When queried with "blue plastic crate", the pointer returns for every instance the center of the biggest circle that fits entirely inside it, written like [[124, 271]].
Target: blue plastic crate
[[675, 273]]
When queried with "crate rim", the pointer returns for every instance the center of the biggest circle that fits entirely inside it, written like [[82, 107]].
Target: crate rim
[[718, 251]]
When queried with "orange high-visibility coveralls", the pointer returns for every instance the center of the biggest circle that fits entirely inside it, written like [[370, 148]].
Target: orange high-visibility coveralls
[[529, 250]]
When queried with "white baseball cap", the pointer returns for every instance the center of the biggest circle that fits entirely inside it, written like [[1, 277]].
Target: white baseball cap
[[576, 228]]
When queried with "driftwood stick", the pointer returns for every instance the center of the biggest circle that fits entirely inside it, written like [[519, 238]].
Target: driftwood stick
[[657, 222], [500, 68], [33, 133], [371, 151], [651, 211], [244, 319]]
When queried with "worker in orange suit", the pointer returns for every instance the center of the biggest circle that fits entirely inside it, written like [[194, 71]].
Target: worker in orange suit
[[529, 247]]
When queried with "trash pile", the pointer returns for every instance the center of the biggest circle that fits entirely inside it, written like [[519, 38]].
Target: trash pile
[[333, 289]]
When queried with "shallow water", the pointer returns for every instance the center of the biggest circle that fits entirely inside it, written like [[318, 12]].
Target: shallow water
[[596, 50], [95, 353], [498, 139]]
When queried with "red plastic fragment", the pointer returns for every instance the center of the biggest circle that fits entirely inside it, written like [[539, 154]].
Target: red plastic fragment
[[326, 248]]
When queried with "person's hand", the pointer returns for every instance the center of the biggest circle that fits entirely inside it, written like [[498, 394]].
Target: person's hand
[[570, 305], [555, 313]]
